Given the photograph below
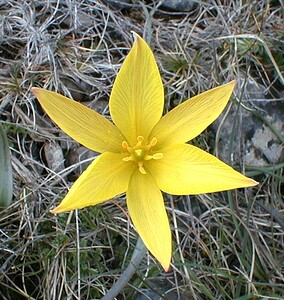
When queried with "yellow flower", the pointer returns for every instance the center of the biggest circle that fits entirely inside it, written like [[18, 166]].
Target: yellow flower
[[143, 153]]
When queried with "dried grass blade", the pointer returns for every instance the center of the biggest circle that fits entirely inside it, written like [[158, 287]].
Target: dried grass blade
[[6, 176]]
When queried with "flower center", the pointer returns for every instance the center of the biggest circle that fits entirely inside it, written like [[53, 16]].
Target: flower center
[[141, 152]]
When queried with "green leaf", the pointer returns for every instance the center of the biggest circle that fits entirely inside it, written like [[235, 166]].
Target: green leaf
[[6, 176]]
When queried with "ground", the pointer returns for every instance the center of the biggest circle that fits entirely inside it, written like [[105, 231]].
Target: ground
[[226, 245]]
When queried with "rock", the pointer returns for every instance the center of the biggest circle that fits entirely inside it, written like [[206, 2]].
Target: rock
[[119, 4], [264, 148], [78, 89], [77, 156], [161, 288], [78, 19], [178, 5], [54, 156], [254, 142], [148, 294]]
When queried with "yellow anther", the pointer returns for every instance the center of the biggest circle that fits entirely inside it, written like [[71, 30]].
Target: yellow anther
[[128, 158], [141, 168], [153, 142], [148, 157], [124, 145], [140, 138], [157, 155], [154, 156]]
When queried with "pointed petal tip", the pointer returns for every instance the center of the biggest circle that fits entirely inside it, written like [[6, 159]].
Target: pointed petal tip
[[253, 182], [38, 91], [247, 182], [136, 35], [55, 211], [166, 268], [137, 38], [34, 90], [233, 82], [165, 262], [59, 209]]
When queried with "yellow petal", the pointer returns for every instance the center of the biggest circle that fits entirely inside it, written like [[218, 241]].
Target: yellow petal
[[186, 169], [190, 118], [137, 97], [147, 210], [80, 122], [106, 177]]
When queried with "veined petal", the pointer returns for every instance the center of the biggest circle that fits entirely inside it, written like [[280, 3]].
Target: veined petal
[[190, 118], [186, 169], [106, 177], [137, 97], [147, 210], [80, 122]]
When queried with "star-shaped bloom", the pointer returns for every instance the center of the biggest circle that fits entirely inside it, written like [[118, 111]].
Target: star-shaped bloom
[[143, 152]]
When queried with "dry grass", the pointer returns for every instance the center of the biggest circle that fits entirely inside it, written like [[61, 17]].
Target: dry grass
[[227, 245]]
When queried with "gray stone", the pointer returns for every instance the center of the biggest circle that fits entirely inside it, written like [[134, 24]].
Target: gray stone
[[254, 142], [119, 4], [54, 156], [82, 157], [264, 148], [178, 5], [161, 288]]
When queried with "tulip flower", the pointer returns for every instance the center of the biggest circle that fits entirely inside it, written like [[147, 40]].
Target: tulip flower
[[142, 152]]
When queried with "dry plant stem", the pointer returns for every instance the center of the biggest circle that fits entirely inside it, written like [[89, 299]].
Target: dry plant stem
[[6, 184], [78, 254], [136, 259]]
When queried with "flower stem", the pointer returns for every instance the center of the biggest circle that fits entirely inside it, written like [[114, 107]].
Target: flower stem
[[136, 259]]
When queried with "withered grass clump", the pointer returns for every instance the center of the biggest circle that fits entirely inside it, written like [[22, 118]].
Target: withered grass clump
[[227, 245]]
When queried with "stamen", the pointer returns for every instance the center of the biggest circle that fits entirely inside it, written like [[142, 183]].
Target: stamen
[[148, 157], [141, 168], [154, 156], [128, 158], [153, 142], [124, 145], [157, 155], [140, 139]]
